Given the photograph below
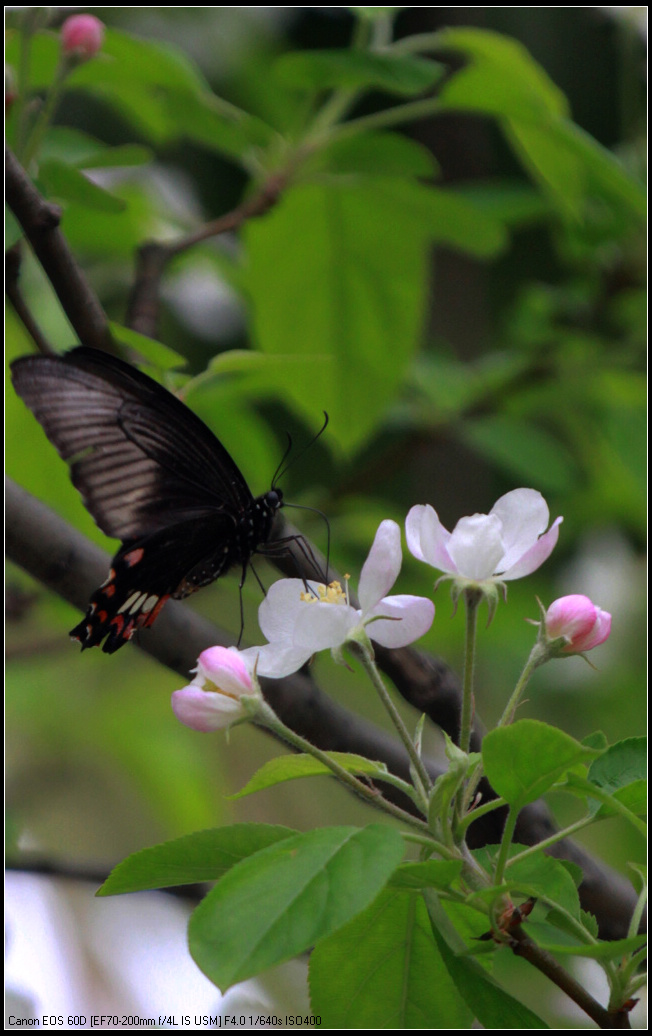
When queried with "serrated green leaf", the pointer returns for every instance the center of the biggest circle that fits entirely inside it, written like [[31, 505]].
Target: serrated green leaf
[[284, 899], [358, 69], [537, 875], [396, 978], [492, 1005], [201, 856], [291, 767], [524, 760], [431, 873], [622, 772], [66, 183]]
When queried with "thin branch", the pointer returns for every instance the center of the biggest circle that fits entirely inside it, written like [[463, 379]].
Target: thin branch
[[40, 222], [524, 946], [153, 257]]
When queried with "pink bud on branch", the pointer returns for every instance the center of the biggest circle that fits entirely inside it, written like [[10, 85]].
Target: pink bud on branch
[[579, 621], [82, 36]]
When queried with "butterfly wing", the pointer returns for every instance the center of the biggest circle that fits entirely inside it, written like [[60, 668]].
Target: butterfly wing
[[151, 474], [140, 458]]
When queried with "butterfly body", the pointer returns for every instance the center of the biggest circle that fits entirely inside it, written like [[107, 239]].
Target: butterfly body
[[152, 475]]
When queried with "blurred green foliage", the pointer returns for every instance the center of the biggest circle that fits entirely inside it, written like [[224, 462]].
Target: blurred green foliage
[[472, 322]]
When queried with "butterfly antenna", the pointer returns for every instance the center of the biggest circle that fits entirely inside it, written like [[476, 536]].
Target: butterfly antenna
[[283, 467]]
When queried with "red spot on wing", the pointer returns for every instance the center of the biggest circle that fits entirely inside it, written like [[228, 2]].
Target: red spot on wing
[[133, 557]]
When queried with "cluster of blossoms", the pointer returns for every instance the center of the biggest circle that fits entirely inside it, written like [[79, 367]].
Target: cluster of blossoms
[[300, 619]]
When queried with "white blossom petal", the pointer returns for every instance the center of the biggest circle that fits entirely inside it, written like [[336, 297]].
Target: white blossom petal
[[410, 618], [536, 555], [380, 570], [321, 625], [524, 515], [427, 539], [278, 659], [476, 546], [278, 611]]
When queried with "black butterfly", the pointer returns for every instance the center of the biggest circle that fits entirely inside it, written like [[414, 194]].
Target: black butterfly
[[152, 475]]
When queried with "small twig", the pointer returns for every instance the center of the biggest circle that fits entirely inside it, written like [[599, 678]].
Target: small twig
[[14, 294], [524, 946], [153, 257]]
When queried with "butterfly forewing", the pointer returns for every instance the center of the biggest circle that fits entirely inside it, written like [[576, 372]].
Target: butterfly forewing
[[151, 474]]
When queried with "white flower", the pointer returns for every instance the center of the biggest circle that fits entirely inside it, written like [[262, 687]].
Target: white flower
[[508, 543], [212, 700], [299, 623]]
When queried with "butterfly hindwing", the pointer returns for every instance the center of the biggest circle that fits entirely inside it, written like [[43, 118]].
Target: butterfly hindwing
[[152, 475]]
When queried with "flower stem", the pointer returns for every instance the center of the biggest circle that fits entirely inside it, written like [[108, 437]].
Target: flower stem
[[420, 772], [265, 716], [472, 600], [536, 658]]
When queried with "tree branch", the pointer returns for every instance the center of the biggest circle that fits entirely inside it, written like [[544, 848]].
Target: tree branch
[[40, 221]]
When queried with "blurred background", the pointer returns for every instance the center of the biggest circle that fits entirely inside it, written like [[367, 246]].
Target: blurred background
[[529, 371]]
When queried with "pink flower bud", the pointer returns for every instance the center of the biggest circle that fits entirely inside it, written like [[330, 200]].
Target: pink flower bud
[[579, 621], [212, 700], [81, 36]]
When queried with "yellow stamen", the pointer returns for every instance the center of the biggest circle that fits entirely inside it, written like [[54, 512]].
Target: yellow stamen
[[331, 594]]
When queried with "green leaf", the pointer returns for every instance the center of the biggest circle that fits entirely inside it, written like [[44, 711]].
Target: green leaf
[[66, 183], [602, 951], [622, 772], [201, 856], [395, 979], [85, 152], [13, 229], [547, 879], [289, 767], [493, 1006], [358, 70], [523, 449], [173, 99], [156, 353], [524, 760], [356, 285], [117, 157], [284, 899], [431, 873], [378, 154], [355, 276], [502, 78], [373, 13]]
